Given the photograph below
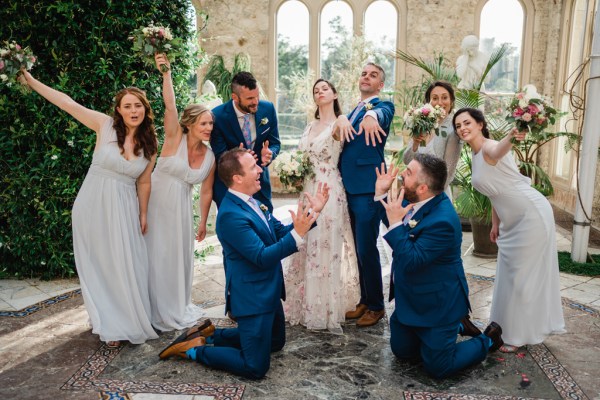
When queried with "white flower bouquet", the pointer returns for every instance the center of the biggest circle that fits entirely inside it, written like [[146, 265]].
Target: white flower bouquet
[[292, 167], [149, 40], [423, 119], [13, 57]]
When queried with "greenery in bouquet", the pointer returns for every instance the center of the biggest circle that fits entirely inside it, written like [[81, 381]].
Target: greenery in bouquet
[[423, 119], [292, 167], [529, 111], [13, 57], [151, 39]]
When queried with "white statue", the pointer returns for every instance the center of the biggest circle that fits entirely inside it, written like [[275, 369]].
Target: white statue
[[471, 64], [209, 96]]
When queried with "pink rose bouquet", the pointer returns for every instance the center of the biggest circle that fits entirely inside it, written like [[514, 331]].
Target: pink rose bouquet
[[423, 119], [528, 110], [151, 39], [13, 57]]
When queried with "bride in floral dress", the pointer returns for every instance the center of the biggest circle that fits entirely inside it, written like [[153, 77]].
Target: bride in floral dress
[[321, 279]]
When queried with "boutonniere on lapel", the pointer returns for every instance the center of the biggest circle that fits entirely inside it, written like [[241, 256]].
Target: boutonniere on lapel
[[412, 223], [368, 106], [264, 209], [264, 121]]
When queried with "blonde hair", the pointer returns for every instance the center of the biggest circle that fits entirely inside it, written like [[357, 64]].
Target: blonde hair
[[191, 114]]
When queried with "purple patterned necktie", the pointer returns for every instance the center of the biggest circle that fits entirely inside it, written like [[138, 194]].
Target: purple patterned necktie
[[246, 131], [356, 111]]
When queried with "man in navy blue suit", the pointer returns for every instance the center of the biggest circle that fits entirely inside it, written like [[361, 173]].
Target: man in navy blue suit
[[250, 123], [254, 243], [429, 284], [360, 157]]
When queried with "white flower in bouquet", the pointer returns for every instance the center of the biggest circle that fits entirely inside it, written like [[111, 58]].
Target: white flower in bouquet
[[292, 167]]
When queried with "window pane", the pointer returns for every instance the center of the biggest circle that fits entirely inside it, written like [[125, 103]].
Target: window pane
[[564, 161], [381, 27], [292, 62], [336, 37], [502, 22]]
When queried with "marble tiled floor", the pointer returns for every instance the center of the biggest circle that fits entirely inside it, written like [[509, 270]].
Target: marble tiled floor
[[58, 341]]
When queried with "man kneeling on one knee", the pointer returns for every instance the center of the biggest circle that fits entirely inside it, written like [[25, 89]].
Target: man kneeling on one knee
[[428, 280], [254, 243]]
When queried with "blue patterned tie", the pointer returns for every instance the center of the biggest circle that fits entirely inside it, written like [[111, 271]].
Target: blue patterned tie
[[246, 131], [356, 111], [408, 215]]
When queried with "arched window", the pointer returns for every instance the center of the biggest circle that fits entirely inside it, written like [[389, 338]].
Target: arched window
[[577, 42], [327, 29], [292, 62], [336, 37], [505, 77], [381, 27]]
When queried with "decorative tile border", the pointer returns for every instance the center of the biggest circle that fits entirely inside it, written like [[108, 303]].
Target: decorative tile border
[[41, 305], [562, 381], [88, 378]]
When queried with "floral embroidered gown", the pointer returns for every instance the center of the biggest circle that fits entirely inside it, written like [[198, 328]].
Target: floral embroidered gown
[[321, 279]]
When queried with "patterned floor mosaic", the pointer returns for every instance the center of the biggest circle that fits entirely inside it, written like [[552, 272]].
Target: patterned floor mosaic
[[41, 305], [336, 363]]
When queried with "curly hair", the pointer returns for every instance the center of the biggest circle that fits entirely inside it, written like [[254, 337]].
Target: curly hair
[[191, 114], [145, 135]]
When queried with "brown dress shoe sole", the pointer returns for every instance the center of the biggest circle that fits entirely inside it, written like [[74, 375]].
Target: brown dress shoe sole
[[188, 332]]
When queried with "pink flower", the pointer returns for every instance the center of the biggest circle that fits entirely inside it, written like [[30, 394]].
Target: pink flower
[[518, 112], [520, 95], [17, 47], [161, 33], [425, 111], [32, 59], [540, 120], [526, 117], [1, 64], [532, 109]]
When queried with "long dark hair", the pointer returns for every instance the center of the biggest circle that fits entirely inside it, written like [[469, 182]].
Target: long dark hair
[[337, 110], [145, 135], [477, 115]]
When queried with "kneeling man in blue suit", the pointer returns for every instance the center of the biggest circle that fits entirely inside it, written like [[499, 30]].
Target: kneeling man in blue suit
[[429, 283], [254, 243]]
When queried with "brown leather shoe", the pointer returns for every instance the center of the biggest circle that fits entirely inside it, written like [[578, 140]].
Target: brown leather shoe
[[494, 332], [469, 329], [179, 349], [370, 318], [204, 328], [359, 312]]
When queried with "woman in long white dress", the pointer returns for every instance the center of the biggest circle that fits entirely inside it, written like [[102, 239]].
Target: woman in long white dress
[[321, 279], [526, 301], [184, 161], [109, 214], [447, 145]]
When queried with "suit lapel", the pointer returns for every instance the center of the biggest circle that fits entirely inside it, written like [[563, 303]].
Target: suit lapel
[[430, 205], [234, 124], [255, 217], [363, 111]]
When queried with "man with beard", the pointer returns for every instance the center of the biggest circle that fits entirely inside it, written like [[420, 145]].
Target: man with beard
[[249, 123], [428, 280]]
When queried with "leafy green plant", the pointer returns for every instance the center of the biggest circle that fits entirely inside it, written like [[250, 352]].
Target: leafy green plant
[[82, 49], [470, 203], [218, 73]]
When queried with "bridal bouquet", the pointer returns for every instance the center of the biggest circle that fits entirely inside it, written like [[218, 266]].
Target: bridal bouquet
[[151, 39], [13, 57], [422, 119], [292, 167], [530, 111]]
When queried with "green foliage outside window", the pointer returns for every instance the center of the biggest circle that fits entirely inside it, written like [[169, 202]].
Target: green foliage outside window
[[83, 50]]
